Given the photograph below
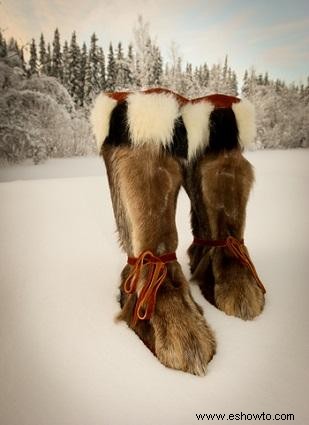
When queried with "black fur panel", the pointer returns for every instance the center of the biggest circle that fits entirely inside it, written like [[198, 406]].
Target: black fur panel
[[223, 130], [119, 133], [179, 146], [118, 127]]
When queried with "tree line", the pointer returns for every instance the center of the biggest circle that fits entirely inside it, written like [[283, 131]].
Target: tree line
[[282, 110]]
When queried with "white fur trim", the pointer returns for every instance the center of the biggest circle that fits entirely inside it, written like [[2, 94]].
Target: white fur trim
[[151, 118], [245, 117], [100, 117], [196, 120]]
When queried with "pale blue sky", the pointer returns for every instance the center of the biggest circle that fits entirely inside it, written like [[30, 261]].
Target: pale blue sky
[[271, 35]]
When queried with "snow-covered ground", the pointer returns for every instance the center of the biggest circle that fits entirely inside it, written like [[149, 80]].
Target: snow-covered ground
[[63, 359], [51, 169]]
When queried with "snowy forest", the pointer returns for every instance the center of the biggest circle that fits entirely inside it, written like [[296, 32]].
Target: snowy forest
[[46, 98]]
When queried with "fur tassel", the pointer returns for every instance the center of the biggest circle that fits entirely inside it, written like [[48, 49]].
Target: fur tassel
[[151, 118], [100, 117], [196, 120], [245, 117]]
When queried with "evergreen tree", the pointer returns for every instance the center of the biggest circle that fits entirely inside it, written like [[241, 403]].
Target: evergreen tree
[[205, 75], [130, 66], [56, 56], [65, 65], [74, 83], [48, 64], [22, 59], [83, 65], [305, 94], [102, 75], [260, 80], [225, 71], [121, 69], [215, 78], [111, 70], [87, 91], [92, 85], [147, 76], [190, 86], [157, 66], [13, 46], [42, 55], [33, 61], [3, 46], [246, 84], [234, 84]]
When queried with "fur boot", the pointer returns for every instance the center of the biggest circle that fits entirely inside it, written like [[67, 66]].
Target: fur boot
[[218, 180], [138, 135]]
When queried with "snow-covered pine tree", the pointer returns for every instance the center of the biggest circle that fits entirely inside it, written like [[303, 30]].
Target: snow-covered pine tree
[[22, 59], [130, 66], [83, 66], [94, 64], [249, 83], [121, 82], [13, 46], [92, 81], [190, 86], [102, 72], [87, 84], [48, 64], [205, 75], [3, 46], [74, 83], [198, 74], [260, 80], [234, 84], [245, 84], [56, 70], [214, 83], [65, 65], [224, 78], [157, 66], [33, 61], [305, 94], [111, 70], [42, 55]]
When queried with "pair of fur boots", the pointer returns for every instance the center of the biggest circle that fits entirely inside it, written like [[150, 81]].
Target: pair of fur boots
[[154, 142]]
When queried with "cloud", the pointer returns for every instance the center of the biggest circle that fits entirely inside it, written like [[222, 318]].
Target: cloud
[[279, 31]]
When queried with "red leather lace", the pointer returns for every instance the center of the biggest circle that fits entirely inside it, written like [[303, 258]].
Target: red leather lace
[[157, 272], [236, 248]]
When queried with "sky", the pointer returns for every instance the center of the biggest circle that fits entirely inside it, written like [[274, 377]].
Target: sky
[[269, 35]]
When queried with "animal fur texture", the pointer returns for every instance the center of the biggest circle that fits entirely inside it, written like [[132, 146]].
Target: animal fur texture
[[218, 210], [152, 118], [152, 143], [144, 187], [100, 117]]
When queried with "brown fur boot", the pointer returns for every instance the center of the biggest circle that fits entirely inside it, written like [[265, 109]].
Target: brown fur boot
[[218, 182], [144, 177]]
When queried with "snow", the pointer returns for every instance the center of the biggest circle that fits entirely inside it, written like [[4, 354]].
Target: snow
[[53, 168], [65, 361]]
